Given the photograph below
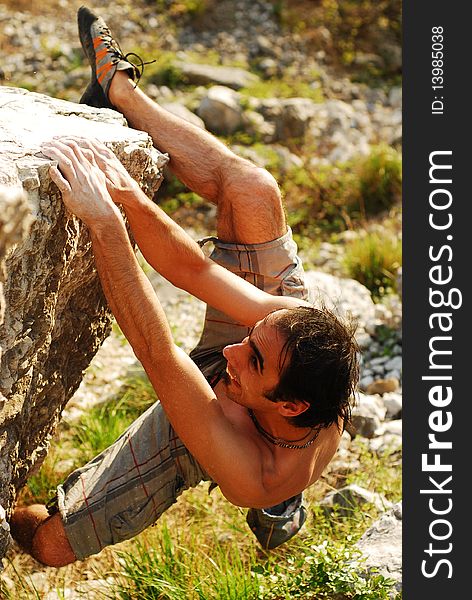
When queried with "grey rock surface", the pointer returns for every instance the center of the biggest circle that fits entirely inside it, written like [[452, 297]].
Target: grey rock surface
[[393, 402], [232, 77], [220, 110], [381, 545], [344, 296], [55, 314], [367, 415], [294, 118], [350, 497], [179, 110]]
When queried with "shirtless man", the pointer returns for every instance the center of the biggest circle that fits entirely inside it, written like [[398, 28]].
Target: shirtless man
[[261, 407]]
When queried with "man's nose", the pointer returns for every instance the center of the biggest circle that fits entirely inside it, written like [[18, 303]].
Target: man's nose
[[231, 352]]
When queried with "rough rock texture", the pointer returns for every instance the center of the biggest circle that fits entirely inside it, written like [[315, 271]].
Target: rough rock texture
[[348, 498], [15, 220], [381, 545], [55, 314]]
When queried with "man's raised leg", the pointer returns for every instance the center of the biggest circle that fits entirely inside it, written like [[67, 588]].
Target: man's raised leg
[[248, 197]]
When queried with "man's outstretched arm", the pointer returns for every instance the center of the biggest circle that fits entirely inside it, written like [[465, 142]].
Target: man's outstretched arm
[[188, 400], [172, 252]]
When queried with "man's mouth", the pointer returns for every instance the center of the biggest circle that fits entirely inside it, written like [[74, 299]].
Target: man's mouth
[[232, 376]]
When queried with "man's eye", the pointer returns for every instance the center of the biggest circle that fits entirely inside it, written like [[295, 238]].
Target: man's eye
[[254, 362]]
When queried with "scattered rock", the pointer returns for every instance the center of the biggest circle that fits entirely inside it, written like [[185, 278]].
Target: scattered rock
[[231, 77], [350, 497], [393, 402], [257, 127], [387, 443], [382, 386], [221, 111], [391, 427], [344, 296], [294, 118], [394, 364], [367, 415], [179, 110]]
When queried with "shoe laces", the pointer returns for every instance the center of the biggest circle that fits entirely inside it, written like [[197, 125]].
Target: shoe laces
[[138, 69], [115, 50]]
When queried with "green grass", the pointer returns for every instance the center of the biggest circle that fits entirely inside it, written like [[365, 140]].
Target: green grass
[[328, 199], [322, 200], [103, 424], [176, 571], [286, 87], [201, 548], [95, 430], [374, 260]]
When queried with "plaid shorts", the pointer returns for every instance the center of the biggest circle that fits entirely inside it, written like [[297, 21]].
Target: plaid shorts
[[127, 487]]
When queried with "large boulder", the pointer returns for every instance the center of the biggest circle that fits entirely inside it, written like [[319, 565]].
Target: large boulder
[[54, 313], [344, 296]]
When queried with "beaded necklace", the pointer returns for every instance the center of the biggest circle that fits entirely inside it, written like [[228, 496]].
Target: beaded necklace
[[279, 441]]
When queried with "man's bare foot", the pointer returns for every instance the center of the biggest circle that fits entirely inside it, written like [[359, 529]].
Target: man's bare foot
[[24, 523], [41, 535]]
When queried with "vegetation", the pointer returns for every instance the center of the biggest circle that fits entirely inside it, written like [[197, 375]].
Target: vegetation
[[285, 87], [181, 8], [374, 260], [335, 198], [369, 27], [201, 548]]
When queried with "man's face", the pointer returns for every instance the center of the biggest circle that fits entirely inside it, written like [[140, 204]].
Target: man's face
[[254, 365]]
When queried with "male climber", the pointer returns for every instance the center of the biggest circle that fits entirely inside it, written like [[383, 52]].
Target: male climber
[[260, 405]]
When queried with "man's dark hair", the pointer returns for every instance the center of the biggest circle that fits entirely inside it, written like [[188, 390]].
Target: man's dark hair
[[322, 367]]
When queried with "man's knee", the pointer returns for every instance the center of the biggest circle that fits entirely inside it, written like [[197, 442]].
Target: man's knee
[[50, 544], [251, 208]]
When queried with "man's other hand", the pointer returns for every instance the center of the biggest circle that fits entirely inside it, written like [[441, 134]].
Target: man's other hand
[[81, 181], [120, 185]]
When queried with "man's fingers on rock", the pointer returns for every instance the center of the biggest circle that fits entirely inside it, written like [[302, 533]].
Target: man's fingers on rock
[[101, 149], [59, 180], [68, 162], [72, 158], [89, 155]]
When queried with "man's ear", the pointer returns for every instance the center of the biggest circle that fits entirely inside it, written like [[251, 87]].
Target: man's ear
[[292, 408]]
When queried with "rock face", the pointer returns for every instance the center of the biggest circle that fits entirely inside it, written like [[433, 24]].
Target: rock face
[[381, 545], [54, 313]]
